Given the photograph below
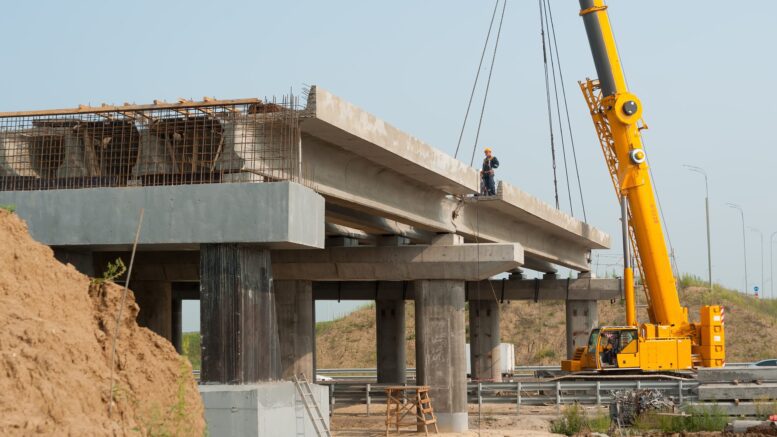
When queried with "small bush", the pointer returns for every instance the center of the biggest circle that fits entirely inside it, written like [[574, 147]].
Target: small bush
[[545, 353], [694, 419], [574, 421]]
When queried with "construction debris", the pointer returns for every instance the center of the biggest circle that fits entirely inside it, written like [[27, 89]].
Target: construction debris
[[628, 405]]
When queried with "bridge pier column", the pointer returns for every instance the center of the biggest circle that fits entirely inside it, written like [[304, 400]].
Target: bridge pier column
[[484, 339], [390, 332], [582, 317], [155, 299], [296, 327], [440, 351], [237, 317]]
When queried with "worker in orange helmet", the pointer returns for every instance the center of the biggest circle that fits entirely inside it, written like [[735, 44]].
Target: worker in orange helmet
[[487, 185]]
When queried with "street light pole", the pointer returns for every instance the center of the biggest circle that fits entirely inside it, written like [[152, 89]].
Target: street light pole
[[771, 264], [744, 239], [762, 254], [707, 214]]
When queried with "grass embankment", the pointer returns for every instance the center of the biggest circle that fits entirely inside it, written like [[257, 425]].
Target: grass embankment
[[538, 329]]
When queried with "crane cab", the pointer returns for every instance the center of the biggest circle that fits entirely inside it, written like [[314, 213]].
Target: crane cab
[[613, 348]]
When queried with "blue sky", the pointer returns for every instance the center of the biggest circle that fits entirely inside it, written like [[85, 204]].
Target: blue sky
[[704, 70]]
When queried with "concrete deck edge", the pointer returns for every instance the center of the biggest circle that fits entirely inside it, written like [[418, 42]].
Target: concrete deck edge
[[278, 215]]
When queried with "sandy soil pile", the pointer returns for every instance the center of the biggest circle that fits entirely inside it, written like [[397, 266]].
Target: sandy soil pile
[[55, 353]]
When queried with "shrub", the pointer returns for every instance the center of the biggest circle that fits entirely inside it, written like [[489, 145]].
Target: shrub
[[574, 420]]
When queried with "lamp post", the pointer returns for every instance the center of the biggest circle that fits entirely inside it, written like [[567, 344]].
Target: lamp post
[[701, 171], [744, 240], [771, 264], [758, 231]]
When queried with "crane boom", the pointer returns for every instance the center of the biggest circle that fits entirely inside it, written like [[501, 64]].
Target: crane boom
[[623, 110], [670, 341]]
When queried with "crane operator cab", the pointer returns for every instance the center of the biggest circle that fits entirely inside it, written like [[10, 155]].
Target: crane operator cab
[[615, 347]]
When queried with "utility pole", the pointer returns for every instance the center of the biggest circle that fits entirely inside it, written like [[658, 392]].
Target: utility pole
[[762, 255], [771, 264], [744, 239], [707, 211]]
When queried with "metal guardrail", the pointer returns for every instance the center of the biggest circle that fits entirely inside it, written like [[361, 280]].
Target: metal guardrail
[[524, 393], [371, 373]]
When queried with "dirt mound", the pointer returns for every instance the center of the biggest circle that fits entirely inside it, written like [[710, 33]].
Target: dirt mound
[[55, 353]]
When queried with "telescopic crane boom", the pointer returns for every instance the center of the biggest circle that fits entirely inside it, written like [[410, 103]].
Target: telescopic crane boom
[[670, 341]]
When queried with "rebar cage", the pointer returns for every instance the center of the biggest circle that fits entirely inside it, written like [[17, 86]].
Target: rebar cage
[[188, 142]]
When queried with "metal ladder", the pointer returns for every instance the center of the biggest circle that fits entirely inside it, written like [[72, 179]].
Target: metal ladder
[[306, 393]]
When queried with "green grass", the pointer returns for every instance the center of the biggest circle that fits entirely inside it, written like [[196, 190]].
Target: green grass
[[9, 208], [693, 419], [575, 421], [721, 295], [190, 343]]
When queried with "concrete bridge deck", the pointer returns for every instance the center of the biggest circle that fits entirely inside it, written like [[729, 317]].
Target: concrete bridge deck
[[370, 208]]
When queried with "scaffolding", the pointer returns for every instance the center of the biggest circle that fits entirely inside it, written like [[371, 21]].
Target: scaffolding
[[187, 142]]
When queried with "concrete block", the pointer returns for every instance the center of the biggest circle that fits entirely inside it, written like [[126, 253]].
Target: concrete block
[[276, 215], [271, 409]]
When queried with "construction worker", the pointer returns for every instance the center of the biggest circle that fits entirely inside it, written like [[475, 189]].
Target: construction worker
[[490, 163]]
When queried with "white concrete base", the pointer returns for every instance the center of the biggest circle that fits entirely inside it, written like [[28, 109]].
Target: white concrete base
[[452, 422], [269, 409]]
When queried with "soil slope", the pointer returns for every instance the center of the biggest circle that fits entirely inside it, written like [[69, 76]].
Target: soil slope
[[55, 354], [538, 332]]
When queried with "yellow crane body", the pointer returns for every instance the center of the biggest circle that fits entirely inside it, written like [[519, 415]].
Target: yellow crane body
[[670, 341]]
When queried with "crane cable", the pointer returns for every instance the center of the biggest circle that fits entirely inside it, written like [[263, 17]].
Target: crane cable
[[488, 82], [547, 97], [477, 77], [544, 5], [566, 109]]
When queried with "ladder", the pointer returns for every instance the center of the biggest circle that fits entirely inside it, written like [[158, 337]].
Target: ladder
[[314, 412]]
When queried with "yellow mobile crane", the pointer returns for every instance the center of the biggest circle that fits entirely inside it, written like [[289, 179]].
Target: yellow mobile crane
[[669, 342]]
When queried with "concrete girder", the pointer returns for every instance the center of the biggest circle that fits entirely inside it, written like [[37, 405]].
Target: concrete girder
[[398, 263], [361, 163], [582, 289]]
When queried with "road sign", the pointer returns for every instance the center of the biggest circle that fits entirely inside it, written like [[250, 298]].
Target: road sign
[[755, 289]]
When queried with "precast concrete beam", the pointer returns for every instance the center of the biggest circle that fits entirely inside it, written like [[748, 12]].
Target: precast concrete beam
[[398, 263], [361, 163], [503, 289]]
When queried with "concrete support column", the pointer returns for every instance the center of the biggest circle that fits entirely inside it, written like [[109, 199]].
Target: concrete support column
[[484, 339], [177, 331], [296, 327], [155, 299], [440, 349], [390, 332], [82, 261], [582, 317], [237, 316]]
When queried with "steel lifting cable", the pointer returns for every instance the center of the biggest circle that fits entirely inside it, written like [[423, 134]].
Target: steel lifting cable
[[477, 77], [558, 109], [488, 82], [566, 110], [547, 97]]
